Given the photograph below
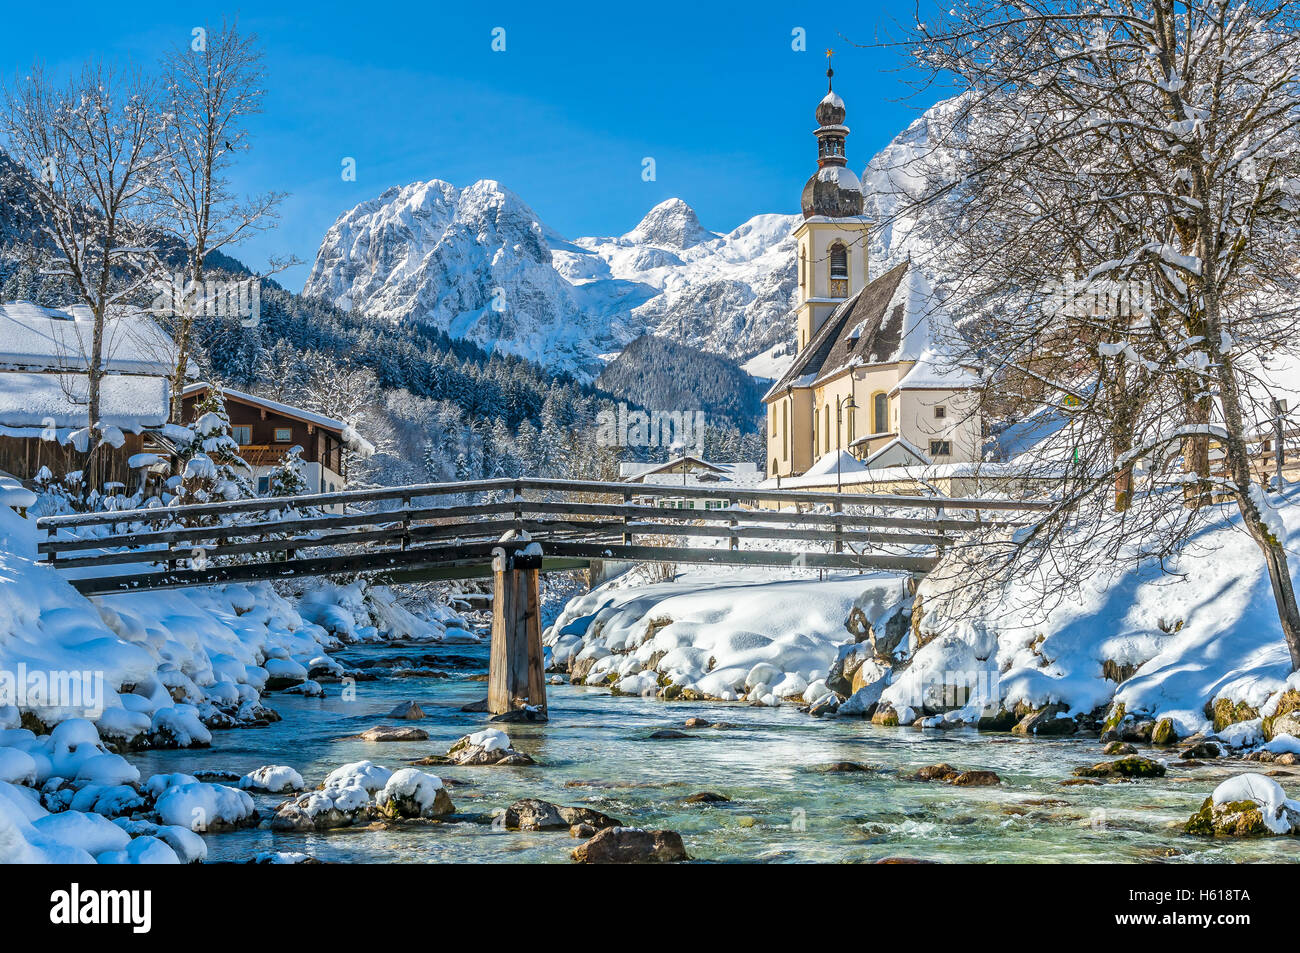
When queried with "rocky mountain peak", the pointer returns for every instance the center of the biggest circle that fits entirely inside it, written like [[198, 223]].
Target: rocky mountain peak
[[670, 224]]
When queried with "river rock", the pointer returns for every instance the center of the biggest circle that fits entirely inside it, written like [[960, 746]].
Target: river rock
[[840, 767], [407, 710], [631, 845], [1050, 721], [582, 831], [491, 746], [828, 704], [1114, 748], [707, 797], [1134, 766], [976, 779], [1248, 805], [393, 733], [574, 816], [665, 734], [410, 793], [1164, 733], [698, 723], [1204, 749], [1287, 724], [532, 814], [996, 719]]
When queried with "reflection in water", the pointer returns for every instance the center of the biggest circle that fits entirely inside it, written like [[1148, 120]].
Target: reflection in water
[[594, 751]]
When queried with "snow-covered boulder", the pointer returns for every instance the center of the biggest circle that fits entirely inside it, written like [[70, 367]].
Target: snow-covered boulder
[[489, 746], [199, 806], [412, 793], [273, 778], [1248, 805]]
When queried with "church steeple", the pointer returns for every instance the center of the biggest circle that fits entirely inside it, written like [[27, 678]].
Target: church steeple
[[833, 191]]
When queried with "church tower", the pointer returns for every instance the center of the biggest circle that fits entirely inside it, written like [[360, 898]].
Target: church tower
[[832, 238]]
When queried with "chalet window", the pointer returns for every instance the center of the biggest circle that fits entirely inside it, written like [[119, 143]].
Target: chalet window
[[283, 434], [263, 484], [941, 448], [243, 434], [940, 412]]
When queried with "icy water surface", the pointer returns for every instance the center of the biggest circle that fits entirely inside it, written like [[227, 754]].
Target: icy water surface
[[595, 752]]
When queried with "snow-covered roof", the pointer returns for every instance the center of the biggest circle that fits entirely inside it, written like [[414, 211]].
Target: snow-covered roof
[[41, 405], [33, 338], [826, 464], [349, 436], [907, 448], [709, 474]]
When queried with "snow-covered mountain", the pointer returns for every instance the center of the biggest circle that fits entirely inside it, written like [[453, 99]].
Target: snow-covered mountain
[[480, 264]]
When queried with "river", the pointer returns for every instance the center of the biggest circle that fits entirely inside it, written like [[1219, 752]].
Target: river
[[595, 752]]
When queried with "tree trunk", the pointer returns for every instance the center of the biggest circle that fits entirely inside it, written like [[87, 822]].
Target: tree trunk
[[1237, 462]]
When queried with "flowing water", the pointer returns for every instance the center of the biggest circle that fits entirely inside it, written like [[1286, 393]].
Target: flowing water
[[595, 752]]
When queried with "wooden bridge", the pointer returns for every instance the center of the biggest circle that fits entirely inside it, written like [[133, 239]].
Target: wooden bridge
[[513, 530]]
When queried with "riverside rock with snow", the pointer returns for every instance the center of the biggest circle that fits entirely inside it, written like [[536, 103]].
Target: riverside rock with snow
[[1248, 805]]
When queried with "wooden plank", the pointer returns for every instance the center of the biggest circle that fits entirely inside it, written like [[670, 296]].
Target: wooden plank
[[493, 529], [517, 487], [195, 534], [462, 554]]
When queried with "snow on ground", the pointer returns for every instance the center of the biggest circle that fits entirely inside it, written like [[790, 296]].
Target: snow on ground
[[719, 635], [1205, 630], [164, 668]]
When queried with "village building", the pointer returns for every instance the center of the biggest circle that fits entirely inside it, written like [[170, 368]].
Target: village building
[[266, 430], [44, 392], [693, 472], [875, 383], [44, 407]]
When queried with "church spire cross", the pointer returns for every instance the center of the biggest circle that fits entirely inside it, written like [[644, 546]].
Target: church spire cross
[[829, 71]]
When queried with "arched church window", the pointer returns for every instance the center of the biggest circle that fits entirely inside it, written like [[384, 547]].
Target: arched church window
[[880, 412]]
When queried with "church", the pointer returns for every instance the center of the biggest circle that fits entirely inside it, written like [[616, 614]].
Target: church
[[874, 381]]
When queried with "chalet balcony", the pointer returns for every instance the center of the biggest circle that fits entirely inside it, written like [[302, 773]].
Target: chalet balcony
[[262, 454]]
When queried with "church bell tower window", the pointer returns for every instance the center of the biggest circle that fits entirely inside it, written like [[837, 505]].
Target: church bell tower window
[[839, 271]]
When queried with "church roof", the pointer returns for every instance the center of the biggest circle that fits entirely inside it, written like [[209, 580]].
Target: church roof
[[895, 318]]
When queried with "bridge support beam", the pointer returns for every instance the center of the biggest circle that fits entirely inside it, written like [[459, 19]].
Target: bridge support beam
[[516, 680]]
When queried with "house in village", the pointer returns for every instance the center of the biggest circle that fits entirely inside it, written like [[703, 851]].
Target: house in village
[[44, 392], [693, 472], [875, 381], [267, 429], [44, 420]]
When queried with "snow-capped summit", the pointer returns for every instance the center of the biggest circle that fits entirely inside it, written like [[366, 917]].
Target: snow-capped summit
[[670, 224], [478, 263]]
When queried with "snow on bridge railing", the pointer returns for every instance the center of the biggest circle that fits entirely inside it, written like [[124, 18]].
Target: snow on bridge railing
[[407, 494]]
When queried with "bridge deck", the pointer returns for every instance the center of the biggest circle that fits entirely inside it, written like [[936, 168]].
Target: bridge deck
[[245, 540]]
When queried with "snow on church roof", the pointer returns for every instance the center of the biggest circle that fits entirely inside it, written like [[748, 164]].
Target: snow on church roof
[[33, 338], [896, 318]]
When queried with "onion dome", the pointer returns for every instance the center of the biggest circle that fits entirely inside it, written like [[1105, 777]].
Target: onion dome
[[833, 191]]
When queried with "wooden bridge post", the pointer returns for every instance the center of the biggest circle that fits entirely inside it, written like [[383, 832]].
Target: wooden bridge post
[[515, 672], [837, 509]]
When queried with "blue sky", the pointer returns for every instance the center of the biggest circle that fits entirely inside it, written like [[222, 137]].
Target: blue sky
[[563, 117]]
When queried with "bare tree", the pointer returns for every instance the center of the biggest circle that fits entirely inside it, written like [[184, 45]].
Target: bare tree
[[1146, 156], [92, 151], [212, 85]]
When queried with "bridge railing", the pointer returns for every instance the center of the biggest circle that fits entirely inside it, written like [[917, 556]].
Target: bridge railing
[[581, 528]]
